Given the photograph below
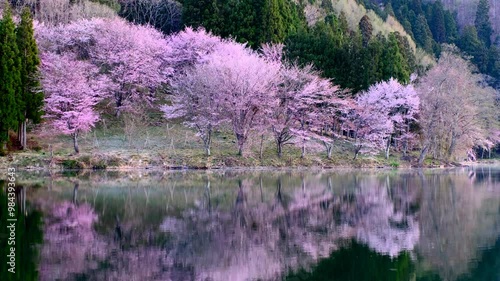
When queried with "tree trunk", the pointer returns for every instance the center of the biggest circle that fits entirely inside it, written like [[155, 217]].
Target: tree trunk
[[207, 142], [451, 149], [303, 153], [329, 149], [280, 148], [356, 151], [261, 148], [23, 135], [241, 143], [423, 153], [19, 130], [388, 146], [75, 142]]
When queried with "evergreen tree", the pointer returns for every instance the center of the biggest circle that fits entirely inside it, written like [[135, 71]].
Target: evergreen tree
[[240, 21], [204, 13], [437, 22], [416, 6], [31, 97], [389, 10], [451, 27], [422, 33], [394, 64], [273, 27], [10, 78], [366, 29], [482, 22], [471, 44]]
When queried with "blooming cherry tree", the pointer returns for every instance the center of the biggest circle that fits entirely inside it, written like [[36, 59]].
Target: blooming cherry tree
[[307, 103], [226, 84], [190, 47], [133, 57], [371, 127], [72, 91], [399, 103], [197, 102], [247, 86]]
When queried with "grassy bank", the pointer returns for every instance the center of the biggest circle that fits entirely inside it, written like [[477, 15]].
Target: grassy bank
[[173, 146]]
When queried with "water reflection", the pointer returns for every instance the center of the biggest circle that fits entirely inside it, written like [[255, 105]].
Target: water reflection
[[269, 225], [28, 237]]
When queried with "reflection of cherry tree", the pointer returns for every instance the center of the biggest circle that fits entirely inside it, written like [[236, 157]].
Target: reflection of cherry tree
[[291, 222], [69, 239], [251, 241], [382, 227]]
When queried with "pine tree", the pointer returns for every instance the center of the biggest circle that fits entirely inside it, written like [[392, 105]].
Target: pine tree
[[31, 97], [366, 29], [483, 23], [10, 78], [471, 44], [437, 22], [422, 33], [204, 13], [273, 29], [394, 63], [451, 27]]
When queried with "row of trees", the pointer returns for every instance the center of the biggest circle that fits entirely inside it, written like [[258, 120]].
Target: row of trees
[[262, 91], [220, 84], [20, 93]]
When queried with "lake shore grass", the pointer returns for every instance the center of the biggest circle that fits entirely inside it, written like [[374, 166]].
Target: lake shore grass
[[175, 147]]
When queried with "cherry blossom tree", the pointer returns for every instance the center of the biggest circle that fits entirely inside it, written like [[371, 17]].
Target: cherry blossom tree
[[195, 97], [191, 46], [244, 84], [399, 102], [196, 101], [307, 104], [458, 111], [72, 90], [371, 127], [133, 57], [247, 84]]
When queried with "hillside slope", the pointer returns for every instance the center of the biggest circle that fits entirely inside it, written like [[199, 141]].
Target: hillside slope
[[466, 12], [354, 12]]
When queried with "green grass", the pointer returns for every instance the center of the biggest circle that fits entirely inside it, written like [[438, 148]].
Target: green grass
[[173, 146]]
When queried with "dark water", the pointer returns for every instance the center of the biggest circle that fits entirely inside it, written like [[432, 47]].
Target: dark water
[[260, 225]]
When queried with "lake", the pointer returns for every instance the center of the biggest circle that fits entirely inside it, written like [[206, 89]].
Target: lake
[[431, 224]]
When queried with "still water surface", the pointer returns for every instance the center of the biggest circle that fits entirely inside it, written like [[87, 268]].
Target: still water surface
[[259, 225]]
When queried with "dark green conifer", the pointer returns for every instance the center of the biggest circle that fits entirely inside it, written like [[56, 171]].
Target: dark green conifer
[[31, 96], [366, 29], [482, 22], [10, 77], [273, 28]]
